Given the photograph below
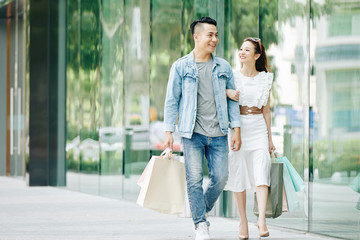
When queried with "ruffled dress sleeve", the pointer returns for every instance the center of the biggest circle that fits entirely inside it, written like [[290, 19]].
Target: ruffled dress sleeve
[[266, 82], [239, 85]]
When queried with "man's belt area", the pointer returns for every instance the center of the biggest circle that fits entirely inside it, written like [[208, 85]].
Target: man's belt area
[[245, 110]]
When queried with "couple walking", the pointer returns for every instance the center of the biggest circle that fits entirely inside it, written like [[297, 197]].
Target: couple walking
[[226, 117]]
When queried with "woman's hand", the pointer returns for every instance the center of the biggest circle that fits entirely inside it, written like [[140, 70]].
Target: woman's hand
[[272, 147], [236, 140], [232, 94]]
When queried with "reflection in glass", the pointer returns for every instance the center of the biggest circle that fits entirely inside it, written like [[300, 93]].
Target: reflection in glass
[[165, 49], [89, 96], [119, 56], [288, 54], [95, 97], [14, 88], [111, 135], [136, 93], [73, 101], [335, 131]]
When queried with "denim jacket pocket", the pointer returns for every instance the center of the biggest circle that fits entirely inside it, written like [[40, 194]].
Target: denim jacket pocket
[[223, 75], [222, 78], [189, 82], [189, 76]]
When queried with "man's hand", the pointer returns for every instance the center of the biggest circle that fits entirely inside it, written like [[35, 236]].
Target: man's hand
[[236, 140], [169, 140]]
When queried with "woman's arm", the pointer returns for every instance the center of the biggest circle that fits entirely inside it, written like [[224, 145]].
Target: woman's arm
[[267, 117], [232, 94]]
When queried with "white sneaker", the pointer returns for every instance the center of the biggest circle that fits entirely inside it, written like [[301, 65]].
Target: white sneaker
[[202, 231]]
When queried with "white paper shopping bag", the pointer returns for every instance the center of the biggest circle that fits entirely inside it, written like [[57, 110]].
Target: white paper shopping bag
[[163, 186]]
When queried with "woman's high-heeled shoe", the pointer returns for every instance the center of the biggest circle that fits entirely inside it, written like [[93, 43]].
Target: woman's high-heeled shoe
[[264, 233], [243, 236]]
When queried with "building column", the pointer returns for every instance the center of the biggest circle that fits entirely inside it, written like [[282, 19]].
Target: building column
[[47, 62]]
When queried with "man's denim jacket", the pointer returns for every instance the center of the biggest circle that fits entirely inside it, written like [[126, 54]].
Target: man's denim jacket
[[181, 95]]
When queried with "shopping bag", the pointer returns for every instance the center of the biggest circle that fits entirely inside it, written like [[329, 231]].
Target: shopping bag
[[296, 180], [291, 197], [275, 193], [165, 154], [163, 185], [147, 169], [355, 184], [284, 201], [186, 213]]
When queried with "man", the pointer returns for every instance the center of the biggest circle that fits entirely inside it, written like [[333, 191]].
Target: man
[[196, 95]]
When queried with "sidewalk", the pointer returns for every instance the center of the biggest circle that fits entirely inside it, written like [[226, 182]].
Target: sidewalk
[[55, 213]]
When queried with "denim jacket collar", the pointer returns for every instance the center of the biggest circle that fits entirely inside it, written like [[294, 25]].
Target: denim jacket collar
[[191, 61]]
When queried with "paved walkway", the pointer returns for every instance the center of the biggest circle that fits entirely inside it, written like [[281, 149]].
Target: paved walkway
[[55, 213]]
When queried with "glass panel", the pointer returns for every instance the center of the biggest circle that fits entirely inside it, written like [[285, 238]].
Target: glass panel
[[243, 20], [335, 121], [283, 27], [89, 96], [18, 157], [13, 88], [165, 49], [83, 82], [119, 58], [27, 84], [191, 10], [136, 93], [241, 17], [72, 95], [111, 133]]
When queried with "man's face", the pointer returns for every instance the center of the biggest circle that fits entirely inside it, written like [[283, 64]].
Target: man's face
[[206, 37]]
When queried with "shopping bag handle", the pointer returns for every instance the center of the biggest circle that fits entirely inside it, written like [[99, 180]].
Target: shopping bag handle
[[273, 156], [167, 153]]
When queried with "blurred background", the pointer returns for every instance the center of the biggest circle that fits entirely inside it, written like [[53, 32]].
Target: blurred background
[[86, 79]]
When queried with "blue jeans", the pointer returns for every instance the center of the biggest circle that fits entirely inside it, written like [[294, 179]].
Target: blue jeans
[[215, 150]]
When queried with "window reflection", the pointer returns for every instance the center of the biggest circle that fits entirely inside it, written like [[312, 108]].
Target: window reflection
[[284, 30], [165, 49], [336, 121], [119, 56]]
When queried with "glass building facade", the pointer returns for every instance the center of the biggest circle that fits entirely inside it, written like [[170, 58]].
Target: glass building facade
[[13, 91], [117, 58]]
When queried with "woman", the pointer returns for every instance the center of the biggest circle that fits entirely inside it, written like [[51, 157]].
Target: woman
[[249, 168]]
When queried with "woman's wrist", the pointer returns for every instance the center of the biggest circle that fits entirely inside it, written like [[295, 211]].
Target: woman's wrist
[[227, 95]]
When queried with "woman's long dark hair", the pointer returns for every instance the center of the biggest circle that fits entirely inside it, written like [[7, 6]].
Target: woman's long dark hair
[[261, 63]]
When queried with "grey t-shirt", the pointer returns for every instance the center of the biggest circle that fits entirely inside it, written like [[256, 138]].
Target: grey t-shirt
[[207, 122]]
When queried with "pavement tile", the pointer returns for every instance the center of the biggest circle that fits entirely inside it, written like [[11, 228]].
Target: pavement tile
[[56, 213]]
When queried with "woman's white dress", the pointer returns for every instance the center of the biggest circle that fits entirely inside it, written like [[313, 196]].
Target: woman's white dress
[[250, 166]]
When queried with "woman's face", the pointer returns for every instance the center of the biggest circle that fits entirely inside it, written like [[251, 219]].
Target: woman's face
[[247, 53]]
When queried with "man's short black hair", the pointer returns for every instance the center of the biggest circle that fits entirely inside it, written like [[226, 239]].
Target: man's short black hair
[[207, 20]]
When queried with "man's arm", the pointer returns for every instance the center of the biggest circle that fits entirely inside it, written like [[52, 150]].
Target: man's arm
[[233, 106], [173, 95], [234, 116]]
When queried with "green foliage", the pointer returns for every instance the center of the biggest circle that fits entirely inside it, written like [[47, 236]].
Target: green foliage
[[189, 15], [95, 77], [72, 132], [111, 163], [89, 133], [88, 166], [336, 156], [268, 17], [5, 2], [244, 21], [72, 163]]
